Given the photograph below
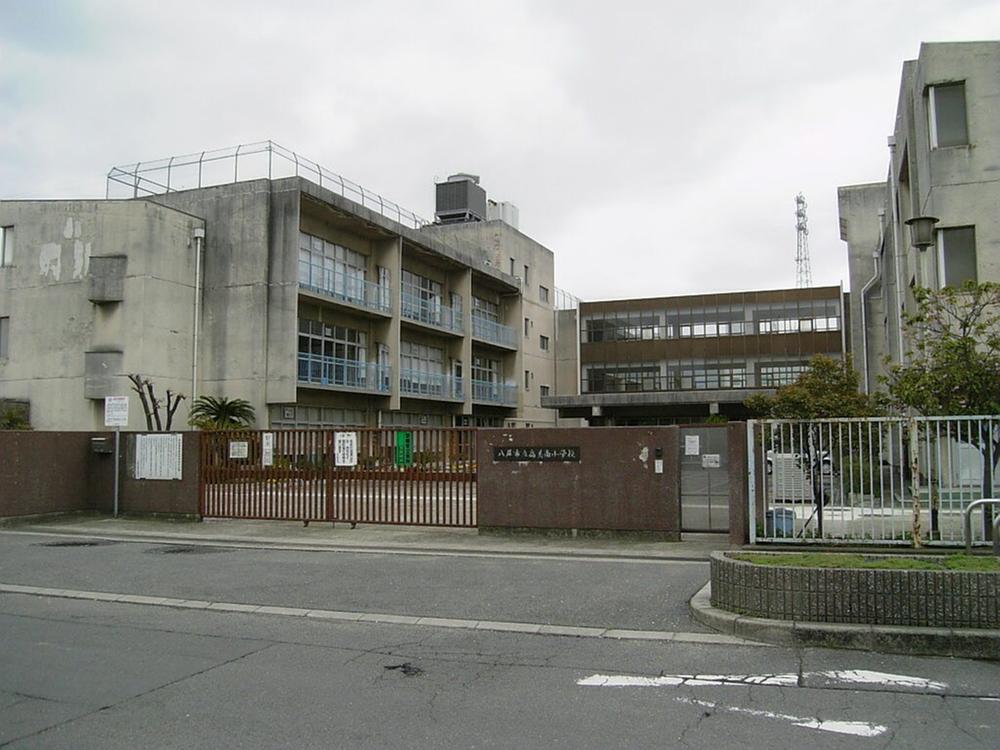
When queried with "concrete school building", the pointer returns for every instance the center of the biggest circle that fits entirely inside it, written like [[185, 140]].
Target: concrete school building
[[943, 165], [685, 359], [319, 302]]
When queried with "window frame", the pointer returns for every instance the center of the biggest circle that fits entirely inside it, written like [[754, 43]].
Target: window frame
[[932, 114]]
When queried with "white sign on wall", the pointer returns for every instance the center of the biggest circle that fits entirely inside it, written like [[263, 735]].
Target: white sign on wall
[[267, 449], [692, 445], [158, 456], [345, 448], [116, 411], [239, 449], [711, 461]]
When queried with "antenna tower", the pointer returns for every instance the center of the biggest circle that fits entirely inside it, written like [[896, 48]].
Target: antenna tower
[[803, 276]]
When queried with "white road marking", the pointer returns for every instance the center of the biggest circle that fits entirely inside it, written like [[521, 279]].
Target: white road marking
[[605, 680], [856, 728], [788, 679], [866, 677]]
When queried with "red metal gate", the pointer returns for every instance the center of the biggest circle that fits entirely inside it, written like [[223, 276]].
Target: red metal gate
[[415, 477]]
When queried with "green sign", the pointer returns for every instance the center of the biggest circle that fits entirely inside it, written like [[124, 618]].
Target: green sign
[[404, 449]]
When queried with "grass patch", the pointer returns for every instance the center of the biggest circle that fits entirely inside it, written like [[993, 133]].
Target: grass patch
[[870, 562]]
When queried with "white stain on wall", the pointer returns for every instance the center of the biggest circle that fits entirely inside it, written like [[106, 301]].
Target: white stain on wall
[[81, 258], [50, 261]]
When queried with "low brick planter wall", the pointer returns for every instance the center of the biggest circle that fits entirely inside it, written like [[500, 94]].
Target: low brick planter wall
[[929, 598]]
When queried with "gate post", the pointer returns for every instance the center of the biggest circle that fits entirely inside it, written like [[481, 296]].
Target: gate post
[[328, 462]]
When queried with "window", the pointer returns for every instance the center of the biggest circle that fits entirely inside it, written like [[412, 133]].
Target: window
[[527, 380], [527, 325], [543, 390], [332, 269], [333, 355], [525, 278], [543, 343], [422, 298], [6, 246], [957, 255], [946, 115], [543, 294], [4, 336]]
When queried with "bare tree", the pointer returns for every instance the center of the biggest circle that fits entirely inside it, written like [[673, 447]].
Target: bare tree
[[151, 405]]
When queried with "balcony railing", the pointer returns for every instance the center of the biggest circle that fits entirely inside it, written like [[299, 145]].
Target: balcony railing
[[346, 287], [344, 373], [430, 385], [429, 310], [494, 393], [494, 332]]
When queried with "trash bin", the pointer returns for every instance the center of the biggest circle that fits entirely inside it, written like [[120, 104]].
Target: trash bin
[[779, 522]]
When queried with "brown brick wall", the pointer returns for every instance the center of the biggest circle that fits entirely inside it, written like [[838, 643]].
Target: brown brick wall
[[57, 472], [611, 488]]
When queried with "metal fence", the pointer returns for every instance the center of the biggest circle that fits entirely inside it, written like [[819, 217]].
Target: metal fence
[[247, 161], [873, 480], [417, 477]]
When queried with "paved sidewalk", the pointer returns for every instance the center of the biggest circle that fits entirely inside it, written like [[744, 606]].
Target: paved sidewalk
[[369, 537]]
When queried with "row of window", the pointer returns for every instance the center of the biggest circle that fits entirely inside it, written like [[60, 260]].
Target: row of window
[[604, 329], [687, 376]]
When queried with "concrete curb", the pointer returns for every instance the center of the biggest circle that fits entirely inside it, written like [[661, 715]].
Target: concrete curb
[[385, 618], [964, 643], [221, 540]]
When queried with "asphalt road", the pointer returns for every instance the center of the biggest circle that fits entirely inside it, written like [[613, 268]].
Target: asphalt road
[[566, 591], [84, 674]]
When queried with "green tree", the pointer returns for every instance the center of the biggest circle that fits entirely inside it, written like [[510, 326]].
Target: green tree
[[954, 366], [221, 413], [829, 388]]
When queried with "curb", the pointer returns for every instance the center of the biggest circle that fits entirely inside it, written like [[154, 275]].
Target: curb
[[367, 548], [965, 643]]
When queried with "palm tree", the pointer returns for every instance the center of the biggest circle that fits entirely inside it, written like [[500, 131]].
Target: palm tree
[[220, 413]]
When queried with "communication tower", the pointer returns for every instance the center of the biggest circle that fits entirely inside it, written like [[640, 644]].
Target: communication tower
[[803, 276]]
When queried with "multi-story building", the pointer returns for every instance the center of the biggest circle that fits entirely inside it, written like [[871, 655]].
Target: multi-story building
[[318, 308], [682, 359], [943, 156]]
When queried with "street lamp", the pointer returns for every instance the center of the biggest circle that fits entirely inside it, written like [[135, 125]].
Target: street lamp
[[922, 231]]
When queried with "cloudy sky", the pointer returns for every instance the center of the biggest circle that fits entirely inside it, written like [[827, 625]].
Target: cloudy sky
[[655, 147]]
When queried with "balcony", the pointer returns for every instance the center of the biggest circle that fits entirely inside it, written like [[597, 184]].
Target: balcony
[[427, 309], [494, 333], [430, 385], [349, 288], [348, 374], [504, 394]]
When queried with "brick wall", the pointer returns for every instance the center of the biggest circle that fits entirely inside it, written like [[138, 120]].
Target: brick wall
[[928, 598]]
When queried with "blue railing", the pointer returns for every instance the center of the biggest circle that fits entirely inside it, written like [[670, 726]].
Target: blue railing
[[345, 373], [429, 310], [346, 287], [489, 330], [494, 393], [430, 384]]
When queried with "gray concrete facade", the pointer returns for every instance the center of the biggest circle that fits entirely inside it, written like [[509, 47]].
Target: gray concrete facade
[[100, 288], [943, 157]]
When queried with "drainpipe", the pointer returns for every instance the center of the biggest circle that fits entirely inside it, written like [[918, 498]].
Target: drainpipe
[[199, 239], [896, 239], [864, 319]]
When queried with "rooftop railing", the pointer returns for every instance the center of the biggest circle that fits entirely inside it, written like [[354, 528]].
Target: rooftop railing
[[248, 161]]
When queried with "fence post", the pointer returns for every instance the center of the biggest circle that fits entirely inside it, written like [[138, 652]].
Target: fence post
[[751, 483], [915, 479]]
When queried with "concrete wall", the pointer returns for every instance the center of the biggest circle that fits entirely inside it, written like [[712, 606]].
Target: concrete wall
[[58, 472], [498, 243], [957, 184], [249, 320], [613, 487], [53, 323], [861, 228]]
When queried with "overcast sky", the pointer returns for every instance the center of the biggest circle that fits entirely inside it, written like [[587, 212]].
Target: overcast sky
[[655, 147]]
